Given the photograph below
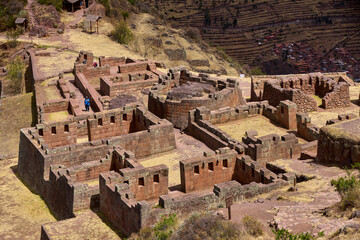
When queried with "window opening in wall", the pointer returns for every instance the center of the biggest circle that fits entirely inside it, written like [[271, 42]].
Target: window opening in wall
[[127, 181], [112, 119], [125, 117], [100, 123], [141, 182], [196, 169], [282, 109], [211, 166], [262, 179], [53, 130], [225, 163], [127, 196], [253, 172], [156, 178], [66, 128], [41, 132]]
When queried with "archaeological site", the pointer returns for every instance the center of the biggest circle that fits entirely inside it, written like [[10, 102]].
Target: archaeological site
[[119, 125]]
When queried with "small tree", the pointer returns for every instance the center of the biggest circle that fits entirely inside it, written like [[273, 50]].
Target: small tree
[[12, 35], [125, 15], [15, 74], [256, 71], [122, 33]]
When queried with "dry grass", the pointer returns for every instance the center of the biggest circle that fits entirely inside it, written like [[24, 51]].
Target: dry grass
[[317, 99], [52, 93], [57, 62], [171, 160], [82, 140], [354, 92], [15, 113], [261, 124], [145, 29], [22, 212], [186, 147], [320, 117], [86, 225], [98, 44], [58, 116]]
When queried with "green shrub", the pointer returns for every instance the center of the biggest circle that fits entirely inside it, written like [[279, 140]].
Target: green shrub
[[284, 234], [344, 184], [125, 15], [9, 11], [12, 35], [349, 189], [122, 33], [132, 2], [164, 228], [256, 71], [161, 231], [15, 74]]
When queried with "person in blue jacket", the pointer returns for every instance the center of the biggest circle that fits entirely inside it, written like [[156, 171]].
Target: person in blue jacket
[[87, 104]]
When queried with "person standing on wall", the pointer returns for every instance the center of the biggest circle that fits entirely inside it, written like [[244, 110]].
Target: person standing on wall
[[87, 104]]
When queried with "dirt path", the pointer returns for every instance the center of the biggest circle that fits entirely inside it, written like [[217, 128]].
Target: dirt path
[[301, 210], [30, 13], [78, 17]]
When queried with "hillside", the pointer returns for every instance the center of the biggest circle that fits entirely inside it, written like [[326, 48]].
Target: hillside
[[253, 31]]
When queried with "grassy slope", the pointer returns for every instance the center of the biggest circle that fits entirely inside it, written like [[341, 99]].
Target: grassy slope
[[22, 212], [15, 113]]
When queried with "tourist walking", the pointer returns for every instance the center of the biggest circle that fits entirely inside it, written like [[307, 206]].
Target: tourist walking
[[87, 104]]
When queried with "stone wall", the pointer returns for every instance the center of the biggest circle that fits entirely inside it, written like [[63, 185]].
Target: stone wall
[[58, 134], [201, 125], [89, 91], [111, 61], [248, 170], [110, 86], [305, 129], [229, 94], [117, 203], [105, 125], [36, 156], [55, 106], [341, 117], [75, 188], [271, 147], [339, 97], [136, 67], [201, 173], [275, 94], [339, 143], [334, 90]]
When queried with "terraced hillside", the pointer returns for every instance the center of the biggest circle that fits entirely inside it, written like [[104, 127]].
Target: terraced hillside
[[248, 30]]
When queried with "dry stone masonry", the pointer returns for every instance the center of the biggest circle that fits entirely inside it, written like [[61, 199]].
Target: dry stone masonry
[[94, 159]]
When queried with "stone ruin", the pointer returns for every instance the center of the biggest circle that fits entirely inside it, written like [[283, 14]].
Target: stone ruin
[[94, 159], [333, 90], [174, 98]]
